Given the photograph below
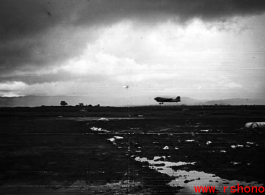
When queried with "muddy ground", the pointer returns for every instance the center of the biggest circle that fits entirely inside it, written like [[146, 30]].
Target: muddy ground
[[66, 150]]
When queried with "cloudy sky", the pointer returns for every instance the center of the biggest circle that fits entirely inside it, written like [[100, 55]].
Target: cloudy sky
[[133, 50]]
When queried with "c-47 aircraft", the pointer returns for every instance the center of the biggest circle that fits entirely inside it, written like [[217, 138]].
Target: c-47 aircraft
[[161, 100]]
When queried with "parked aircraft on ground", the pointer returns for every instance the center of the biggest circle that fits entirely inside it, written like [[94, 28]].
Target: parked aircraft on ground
[[161, 100]]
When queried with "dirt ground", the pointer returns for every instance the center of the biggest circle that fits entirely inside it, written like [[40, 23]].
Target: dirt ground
[[69, 150]]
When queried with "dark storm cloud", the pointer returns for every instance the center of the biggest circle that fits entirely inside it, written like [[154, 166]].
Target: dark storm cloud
[[26, 38], [20, 17], [24, 28], [109, 11], [27, 17]]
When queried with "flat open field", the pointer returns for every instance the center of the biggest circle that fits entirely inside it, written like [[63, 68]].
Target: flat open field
[[130, 150]]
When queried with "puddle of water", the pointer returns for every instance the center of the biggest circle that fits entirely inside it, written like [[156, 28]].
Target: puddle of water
[[114, 138], [118, 137], [191, 140], [205, 130], [167, 163], [166, 148], [189, 179], [111, 139], [250, 142], [208, 142], [103, 119], [99, 129], [156, 158], [236, 163], [237, 146], [98, 118]]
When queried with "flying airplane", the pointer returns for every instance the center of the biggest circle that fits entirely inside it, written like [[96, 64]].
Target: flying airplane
[[161, 100]]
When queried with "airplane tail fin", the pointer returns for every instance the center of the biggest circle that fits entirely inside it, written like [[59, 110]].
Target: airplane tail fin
[[178, 98]]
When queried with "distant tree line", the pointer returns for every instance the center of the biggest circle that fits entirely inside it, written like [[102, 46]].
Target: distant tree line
[[64, 103]]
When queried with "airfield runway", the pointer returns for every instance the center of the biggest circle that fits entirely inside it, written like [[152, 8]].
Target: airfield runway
[[130, 150]]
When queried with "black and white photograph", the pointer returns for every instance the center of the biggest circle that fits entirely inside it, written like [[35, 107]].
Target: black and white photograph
[[139, 97]]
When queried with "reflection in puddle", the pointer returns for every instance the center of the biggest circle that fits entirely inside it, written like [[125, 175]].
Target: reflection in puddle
[[205, 130], [111, 139], [99, 118], [190, 140], [250, 142], [237, 146], [118, 137], [114, 138], [99, 129], [156, 161], [189, 179], [236, 163]]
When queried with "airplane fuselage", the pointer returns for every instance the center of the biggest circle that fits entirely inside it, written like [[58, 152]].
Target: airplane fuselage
[[162, 99]]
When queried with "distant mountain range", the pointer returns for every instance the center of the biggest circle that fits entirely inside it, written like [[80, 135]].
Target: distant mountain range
[[32, 101], [233, 101]]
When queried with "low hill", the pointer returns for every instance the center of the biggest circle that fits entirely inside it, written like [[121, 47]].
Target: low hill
[[33, 101]]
